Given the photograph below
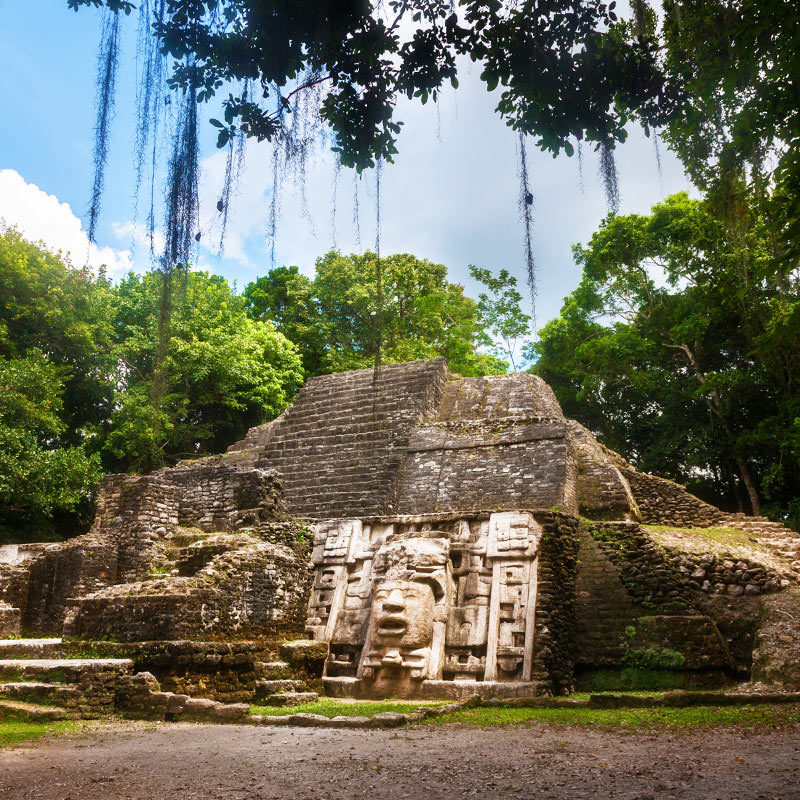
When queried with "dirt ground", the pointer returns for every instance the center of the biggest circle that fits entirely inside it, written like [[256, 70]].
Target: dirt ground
[[227, 762]]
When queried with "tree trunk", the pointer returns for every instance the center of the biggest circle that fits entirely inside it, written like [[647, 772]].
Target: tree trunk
[[749, 484], [714, 405]]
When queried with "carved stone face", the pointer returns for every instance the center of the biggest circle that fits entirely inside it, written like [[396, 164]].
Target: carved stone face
[[402, 614]]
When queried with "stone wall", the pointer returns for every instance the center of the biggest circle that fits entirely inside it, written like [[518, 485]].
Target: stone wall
[[663, 502], [136, 517], [652, 581], [603, 492], [10, 620], [696, 637], [63, 571], [215, 497], [248, 587], [554, 659], [496, 442], [603, 607], [14, 583], [484, 471], [694, 603]]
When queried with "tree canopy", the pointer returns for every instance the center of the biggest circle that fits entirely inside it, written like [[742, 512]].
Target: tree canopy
[[341, 316], [679, 348], [567, 68], [224, 372]]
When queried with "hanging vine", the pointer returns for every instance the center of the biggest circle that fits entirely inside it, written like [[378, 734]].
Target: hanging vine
[[608, 173], [337, 171], [657, 148], [526, 215], [234, 163], [151, 92], [107, 63], [182, 201], [356, 212], [378, 274]]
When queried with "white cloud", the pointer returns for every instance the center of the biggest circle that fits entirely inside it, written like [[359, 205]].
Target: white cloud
[[41, 217], [138, 234]]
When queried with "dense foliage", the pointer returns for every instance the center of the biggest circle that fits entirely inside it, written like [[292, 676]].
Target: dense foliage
[[174, 364], [717, 76], [356, 302], [39, 474], [567, 68], [223, 371], [680, 348], [77, 363]]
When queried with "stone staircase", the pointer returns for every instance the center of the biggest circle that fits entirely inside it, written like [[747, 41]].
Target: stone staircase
[[45, 689], [775, 536], [340, 444], [283, 692]]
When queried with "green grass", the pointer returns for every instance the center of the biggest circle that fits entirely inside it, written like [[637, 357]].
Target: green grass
[[332, 707], [726, 536], [674, 719], [13, 732]]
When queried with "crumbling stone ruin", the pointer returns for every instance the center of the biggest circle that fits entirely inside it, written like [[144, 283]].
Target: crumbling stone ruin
[[415, 534]]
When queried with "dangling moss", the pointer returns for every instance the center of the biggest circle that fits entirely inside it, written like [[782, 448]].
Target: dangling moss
[[657, 148], [107, 63], [150, 93], [234, 162], [378, 175], [356, 213], [608, 172], [274, 205], [526, 214], [337, 170], [182, 203]]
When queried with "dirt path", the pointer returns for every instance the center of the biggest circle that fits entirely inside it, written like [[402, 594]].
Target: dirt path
[[201, 762]]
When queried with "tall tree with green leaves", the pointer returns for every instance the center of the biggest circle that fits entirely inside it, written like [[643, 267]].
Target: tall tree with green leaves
[[39, 475], [501, 313], [65, 312], [332, 318], [223, 372], [679, 348]]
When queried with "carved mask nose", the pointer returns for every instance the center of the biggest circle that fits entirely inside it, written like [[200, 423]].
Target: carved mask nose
[[395, 601]]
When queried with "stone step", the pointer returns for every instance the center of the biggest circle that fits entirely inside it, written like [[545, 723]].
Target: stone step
[[273, 670], [61, 670], [266, 688], [182, 538], [337, 435], [31, 712], [31, 691], [291, 698], [30, 648]]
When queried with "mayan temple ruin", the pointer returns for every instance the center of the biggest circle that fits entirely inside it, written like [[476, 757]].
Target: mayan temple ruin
[[405, 534]]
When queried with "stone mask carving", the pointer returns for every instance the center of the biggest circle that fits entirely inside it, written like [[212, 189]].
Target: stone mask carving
[[408, 604]]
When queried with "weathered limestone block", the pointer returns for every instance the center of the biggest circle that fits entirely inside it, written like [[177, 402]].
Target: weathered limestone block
[[10, 619], [256, 588]]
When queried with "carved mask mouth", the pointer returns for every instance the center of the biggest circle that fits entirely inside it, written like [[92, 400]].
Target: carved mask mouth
[[392, 625]]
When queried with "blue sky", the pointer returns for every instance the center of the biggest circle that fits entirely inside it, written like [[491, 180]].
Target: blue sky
[[450, 197]]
